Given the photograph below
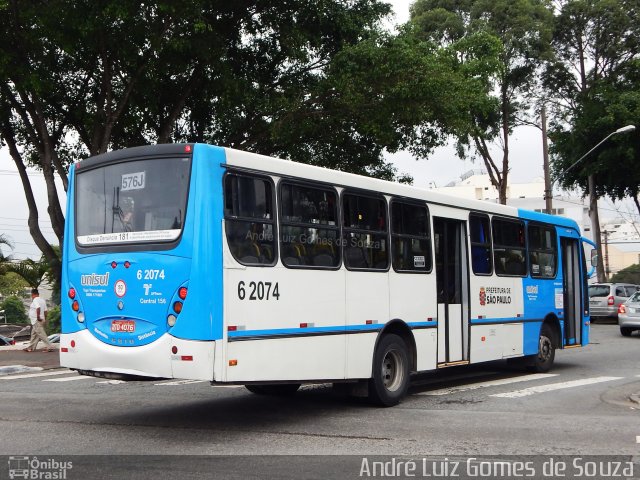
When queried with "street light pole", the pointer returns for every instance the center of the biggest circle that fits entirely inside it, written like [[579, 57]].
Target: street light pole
[[593, 202]]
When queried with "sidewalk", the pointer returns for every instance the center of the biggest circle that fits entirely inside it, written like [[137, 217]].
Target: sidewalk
[[14, 355]]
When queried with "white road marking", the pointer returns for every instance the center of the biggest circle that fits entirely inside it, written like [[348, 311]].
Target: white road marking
[[110, 382], [33, 375], [490, 383], [638, 439], [69, 379], [181, 382], [228, 386], [554, 386]]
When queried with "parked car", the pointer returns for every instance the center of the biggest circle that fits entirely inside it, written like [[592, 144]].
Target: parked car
[[605, 298], [629, 315], [6, 341], [54, 338]]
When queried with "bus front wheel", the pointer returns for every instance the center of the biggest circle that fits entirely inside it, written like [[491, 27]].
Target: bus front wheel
[[390, 380], [276, 389], [543, 360]]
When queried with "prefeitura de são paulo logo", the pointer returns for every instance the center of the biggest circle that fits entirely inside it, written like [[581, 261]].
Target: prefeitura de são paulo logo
[[483, 296]]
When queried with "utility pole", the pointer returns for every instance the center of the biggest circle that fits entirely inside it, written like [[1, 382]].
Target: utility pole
[[607, 271], [595, 227], [548, 192]]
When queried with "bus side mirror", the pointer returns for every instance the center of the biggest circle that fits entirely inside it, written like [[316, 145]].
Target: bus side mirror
[[594, 257]]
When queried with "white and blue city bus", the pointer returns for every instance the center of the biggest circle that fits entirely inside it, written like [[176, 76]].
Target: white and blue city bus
[[200, 262]]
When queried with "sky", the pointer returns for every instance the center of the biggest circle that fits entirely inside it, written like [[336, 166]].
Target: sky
[[441, 168]]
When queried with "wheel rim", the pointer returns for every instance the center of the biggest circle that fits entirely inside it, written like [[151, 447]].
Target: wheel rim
[[392, 371], [545, 348]]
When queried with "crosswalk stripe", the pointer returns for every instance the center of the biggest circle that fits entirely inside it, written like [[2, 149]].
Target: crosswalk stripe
[[489, 383], [181, 382], [554, 386], [68, 379], [66, 371]]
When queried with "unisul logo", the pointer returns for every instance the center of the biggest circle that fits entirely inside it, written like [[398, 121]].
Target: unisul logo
[[33, 468]]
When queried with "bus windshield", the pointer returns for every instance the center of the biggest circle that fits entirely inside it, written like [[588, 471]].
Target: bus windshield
[[132, 202]]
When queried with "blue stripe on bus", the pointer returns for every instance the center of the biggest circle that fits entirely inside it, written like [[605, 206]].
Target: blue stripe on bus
[[312, 330], [481, 321]]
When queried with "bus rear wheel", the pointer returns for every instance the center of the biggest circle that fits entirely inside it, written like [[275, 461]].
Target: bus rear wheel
[[543, 360], [390, 380], [276, 389]]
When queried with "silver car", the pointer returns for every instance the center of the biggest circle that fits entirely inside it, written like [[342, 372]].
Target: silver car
[[629, 315], [605, 298]]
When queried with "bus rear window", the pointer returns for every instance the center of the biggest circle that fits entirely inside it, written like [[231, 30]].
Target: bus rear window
[[139, 201]]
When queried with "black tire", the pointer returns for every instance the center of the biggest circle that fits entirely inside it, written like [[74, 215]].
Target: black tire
[[625, 331], [276, 389], [543, 360], [390, 380]]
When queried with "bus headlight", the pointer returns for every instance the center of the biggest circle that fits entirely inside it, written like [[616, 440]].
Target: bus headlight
[[81, 317], [171, 320]]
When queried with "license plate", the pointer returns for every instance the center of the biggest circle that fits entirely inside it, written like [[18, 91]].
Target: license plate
[[632, 310], [594, 302], [128, 326]]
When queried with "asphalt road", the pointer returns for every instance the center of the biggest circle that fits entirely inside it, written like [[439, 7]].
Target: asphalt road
[[584, 406]]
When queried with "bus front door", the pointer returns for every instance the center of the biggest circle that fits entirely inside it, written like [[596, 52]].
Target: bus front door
[[572, 290], [453, 289]]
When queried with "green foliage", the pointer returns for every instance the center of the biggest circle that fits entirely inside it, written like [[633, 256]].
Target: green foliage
[[31, 271], [53, 320], [631, 274], [523, 31], [14, 310], [595, 80], [12, 284]]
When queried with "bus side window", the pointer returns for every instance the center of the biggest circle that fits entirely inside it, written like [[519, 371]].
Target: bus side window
[[509, 247], [480, 244], [249, 219], [410, 241], [365, 232], [309, 230], [543, 251]]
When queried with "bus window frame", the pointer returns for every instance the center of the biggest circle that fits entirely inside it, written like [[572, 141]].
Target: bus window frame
[[525, 248], [367, 194], [429, 237], [274, 220], [530, 250], [490, 244], [155, 246], [293, 181]]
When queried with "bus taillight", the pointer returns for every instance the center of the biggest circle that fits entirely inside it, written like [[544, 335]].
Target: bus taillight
[[182, 293], [75, 306], [72, 293], [177, 307]]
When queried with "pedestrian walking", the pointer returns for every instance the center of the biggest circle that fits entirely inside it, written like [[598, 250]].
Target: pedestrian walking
[[38, 316]]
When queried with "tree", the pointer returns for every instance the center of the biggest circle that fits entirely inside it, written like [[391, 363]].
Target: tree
[[524, 28], [14, 311], [6, 242], [592, 85], [30, 271], [12, 284], [630, 274], [80, 77]]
